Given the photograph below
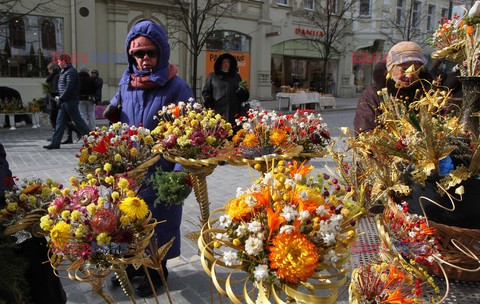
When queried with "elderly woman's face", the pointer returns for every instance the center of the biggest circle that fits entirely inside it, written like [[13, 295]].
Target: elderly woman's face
[[403, 79], [146, 59]]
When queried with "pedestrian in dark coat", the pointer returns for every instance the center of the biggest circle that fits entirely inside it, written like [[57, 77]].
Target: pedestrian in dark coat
[[149, 83], [98, 86], [222, 91], [67, 101], [52, 81]]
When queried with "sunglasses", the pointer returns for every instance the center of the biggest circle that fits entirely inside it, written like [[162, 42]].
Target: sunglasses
[[141, 54]]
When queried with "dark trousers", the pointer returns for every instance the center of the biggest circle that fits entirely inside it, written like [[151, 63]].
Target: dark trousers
[[69, 108]]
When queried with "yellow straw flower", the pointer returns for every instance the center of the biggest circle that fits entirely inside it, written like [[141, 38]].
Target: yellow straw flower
[[278, 137], [103, 238], [293, 256], [60, 234], [107, 167], [134, 207], [117, 157], [12, 207], [123, 184], [251, 141]]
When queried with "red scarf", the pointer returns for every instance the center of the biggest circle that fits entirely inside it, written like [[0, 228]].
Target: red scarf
[[143, 82]]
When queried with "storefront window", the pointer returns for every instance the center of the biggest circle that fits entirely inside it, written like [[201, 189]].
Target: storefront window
[[296, 63], [27, 43]]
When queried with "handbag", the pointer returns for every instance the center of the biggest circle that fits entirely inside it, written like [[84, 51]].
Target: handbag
[[112, 112]]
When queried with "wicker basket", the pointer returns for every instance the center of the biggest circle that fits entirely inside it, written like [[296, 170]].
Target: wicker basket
[[470, 238]]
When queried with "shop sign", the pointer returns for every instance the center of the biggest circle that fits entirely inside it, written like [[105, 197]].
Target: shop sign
[[309, 32], [243, 61]]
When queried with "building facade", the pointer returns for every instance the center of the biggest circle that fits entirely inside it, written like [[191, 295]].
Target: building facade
[[269, 38]]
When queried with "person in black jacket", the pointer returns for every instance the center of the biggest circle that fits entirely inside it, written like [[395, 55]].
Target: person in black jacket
[[88, 89], [222, 91], [67, 101], [52, 81], [98, 85]]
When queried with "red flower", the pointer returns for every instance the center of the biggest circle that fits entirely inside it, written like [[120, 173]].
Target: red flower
[[103, 221]]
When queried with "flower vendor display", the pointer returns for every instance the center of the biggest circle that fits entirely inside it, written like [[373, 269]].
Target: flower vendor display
[[25, 205], [94, 225], [196, 138], [118, 149], [282, 234], [381, 283], [458, 39], [190, 131], [422, 153], [262, 133]]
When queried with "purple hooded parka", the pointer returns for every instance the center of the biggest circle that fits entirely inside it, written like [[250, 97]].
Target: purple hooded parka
[[140, 106]]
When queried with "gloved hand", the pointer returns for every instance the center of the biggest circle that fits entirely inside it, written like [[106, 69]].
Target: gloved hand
[[57, 101]]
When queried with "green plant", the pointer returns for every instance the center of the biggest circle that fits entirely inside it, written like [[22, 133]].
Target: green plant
[[172, 187]]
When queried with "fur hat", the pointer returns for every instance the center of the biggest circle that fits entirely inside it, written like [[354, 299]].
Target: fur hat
[[405, 51], [141, 43]]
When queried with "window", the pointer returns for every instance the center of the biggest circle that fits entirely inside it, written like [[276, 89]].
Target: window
[[416, 13], [431, 17], [282, 2], [364, 7], [228, 41], [16, 28], [48, 35], [308, 4], [27, 44], [332, 6], [399, 16], [444, 12]]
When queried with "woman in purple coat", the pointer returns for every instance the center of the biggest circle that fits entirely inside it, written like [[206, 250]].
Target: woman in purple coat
[[148, 84]]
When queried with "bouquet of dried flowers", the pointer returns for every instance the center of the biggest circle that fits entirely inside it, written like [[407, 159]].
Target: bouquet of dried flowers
[[96, 221], [25, 204], [117, 149], [11, 105], [380, 282], [308, 129], [415, 138], [283, 228], [36, 105], [189, 130], [263, 133], [458, 40]]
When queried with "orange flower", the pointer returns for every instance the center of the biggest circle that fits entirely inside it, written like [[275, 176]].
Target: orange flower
[[314, 200], [31, 189], [251, 141], [274, 221], [239, 136], [394, 275], [176, 111], [427, 230], [470, 29], [397, 297], [263, 198], [302, 170], [278, 137], [293, 256], [238, 209]]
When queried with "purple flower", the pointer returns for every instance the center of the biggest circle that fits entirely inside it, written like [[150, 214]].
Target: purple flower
[[170, 141], [221, 133], [197, 138]]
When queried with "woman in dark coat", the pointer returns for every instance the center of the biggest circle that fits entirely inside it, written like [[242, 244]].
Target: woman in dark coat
[[222, 91], [148, 84], [404, 86]]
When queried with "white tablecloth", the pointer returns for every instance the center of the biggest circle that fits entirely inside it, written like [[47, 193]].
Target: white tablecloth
[[304, 98]]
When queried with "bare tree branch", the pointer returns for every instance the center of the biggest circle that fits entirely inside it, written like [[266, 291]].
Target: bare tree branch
[[334, 19], [7, 12], [196, 19]]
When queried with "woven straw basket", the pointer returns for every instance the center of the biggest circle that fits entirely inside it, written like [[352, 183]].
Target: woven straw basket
[[470, 238]]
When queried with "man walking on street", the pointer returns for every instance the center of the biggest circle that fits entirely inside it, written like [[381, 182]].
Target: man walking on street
[[68, 91]]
